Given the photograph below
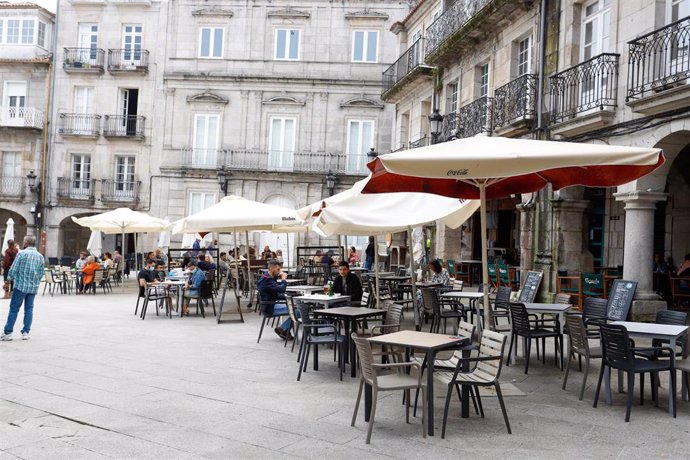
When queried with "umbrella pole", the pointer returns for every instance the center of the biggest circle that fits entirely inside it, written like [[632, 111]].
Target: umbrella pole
[[122, 264], [249, 270], [376, 269], [412, 278], [485, 263]]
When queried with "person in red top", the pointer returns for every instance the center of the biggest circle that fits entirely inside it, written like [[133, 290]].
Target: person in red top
[[89, 270], [10, 255]]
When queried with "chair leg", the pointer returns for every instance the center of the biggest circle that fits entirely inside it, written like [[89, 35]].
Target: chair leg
[[407, 405], [374, 397], [445, 409], [263, 323], [359, 396], [303, 365], [513, 337], [341, 359], [601, 378], [136, 308], [503, 406], [672, 389], [567, 369], [629, 401], [642, 387], [474, 400], [543, 350], [479, 400], [584, 378], [213, 303], [527, 353], [425, 412]]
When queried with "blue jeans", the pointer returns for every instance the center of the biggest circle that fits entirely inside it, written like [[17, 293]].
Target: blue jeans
[[281, 309], [368, 263], [17, 298]]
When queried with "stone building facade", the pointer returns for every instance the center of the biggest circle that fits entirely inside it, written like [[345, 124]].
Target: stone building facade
[[26, 38], [155, 103], [587, 71]]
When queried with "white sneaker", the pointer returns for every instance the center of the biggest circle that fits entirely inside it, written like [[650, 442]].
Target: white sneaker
[[6, 337], [25, 336]]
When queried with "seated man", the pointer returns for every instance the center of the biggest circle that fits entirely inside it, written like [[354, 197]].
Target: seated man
[[203, 264], [149, 274], [193, 285], [348, 284], [160, 257], [271, 287], [223, 264]]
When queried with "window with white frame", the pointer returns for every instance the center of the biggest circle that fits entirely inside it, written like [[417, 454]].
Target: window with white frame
[[524, 56], [360, 139], [206, 136], [27, 31], [12, 173], [483, 80], [211, 42], [198, 201], [678, 9], [596, 23], [13, 28], [282, 142], [81, 173], [437, 14], [365, 46], [124, 175], [41, 41], [452, 97], [287, 45]]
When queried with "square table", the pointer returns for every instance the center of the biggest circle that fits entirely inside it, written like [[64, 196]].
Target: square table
[[178, 285], [649, 331], [430, 343], [291, 281], [349, 316], [323, 299], [303, 289], [473, 298]]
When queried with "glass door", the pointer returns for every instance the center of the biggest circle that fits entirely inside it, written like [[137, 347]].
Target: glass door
[[124, 177], [595, 40], [205, 152], [81, 176], [282, 143], [11, 180], [15, 99], [131, 44], [88, 43], [360, 138]]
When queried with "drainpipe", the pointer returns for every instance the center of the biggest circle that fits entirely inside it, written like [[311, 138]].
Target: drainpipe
[[543, 8]]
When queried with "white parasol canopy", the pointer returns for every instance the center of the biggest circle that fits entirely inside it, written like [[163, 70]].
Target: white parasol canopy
[[9, 234], [95, 244], [123, 220]]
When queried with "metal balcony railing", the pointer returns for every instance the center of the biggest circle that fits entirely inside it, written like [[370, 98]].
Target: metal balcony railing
[[453, 19], [120, 190], [515, 101], [84, 59], [21, 117], [585, 88], [76, 189], [79, 124], [408, 61], [449, 128], [421, 142], [262, 160], [474, 118], [128, 60], [12, 186], [659, 60], [124, 126]]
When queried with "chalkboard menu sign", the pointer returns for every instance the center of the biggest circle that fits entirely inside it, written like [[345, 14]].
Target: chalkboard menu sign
[[531, 286], [620, 299]]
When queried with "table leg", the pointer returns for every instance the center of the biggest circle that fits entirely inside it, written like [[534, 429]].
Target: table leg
[[683, 381], [607, 385], [465, 389], [430, 356], [478, 312], [671, 388]]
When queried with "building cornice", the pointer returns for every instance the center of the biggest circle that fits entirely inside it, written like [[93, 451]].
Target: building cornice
[[207, 97], [361, 102], [366, 14], [288, 13], [214, 12]]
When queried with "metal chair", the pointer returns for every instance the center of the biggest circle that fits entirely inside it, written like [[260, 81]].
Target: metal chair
[[486, 372], [619, 354], [578, 344], [522, 327], [317, 332], [399, 380], [267, 308], [431, 299]]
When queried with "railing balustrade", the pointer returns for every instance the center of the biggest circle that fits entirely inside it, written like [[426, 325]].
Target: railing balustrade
[[515, 101], [123, 126], [120, 190], [83, 59], [79, 124], [454, 18], [21, 117], [12, 186], [587, 87], [408, 61], [659, 60], [76, 189], [123, 60], [474, 118]]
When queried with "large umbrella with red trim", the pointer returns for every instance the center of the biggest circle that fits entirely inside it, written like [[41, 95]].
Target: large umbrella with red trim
[[496, 167]]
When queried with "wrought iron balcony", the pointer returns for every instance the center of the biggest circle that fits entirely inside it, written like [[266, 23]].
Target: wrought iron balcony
[[474, 118], [79, 124], [21, 117], [405, 69], [130, 126], [76, 189], [659, 60], [449, 35], [274, 161], [85, 60], [585, 88], [12, 187], [120, 190], [449, 128], [128, 60], [515, 101], [421, 142]]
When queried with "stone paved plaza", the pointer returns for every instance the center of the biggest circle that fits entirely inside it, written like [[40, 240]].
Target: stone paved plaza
[[95, 381]]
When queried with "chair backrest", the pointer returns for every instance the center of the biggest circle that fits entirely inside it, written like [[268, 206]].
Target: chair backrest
[[502, 298], [458, 285], [503, 273], [366, 359], [519, 318], [451, 267], [577, 332], [430, 300], [491, 345], [592, 283], [492, 272], [594, 308], [53, 261], [393, 313], [466, 329], [98, 275], [291, 308], [50, 279], [206, 289], [305, 314], [615, 345], [563, 298], [677, 318]]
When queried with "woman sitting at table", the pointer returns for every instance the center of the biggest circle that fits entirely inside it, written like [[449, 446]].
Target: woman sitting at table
[[88, 272], [439, 275], [108, 260], [353, 257]]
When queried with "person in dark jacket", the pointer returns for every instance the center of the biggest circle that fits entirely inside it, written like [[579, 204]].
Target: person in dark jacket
[[369, 255], [271, 287], [348, 284]]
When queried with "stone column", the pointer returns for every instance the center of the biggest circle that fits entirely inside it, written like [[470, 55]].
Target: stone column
[[638, 250], [569, 241]]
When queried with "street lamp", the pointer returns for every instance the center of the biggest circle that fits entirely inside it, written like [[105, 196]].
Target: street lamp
[[435, 125], [330, 182], [372, 154], [223, 178], [37, 209]]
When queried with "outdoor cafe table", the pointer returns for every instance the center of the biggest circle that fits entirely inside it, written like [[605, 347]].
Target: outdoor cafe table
[[168, 284], [349, 316], [430, 344], [323, 299], [290, 281], [650, 331], [304, 289], [473, 298]]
